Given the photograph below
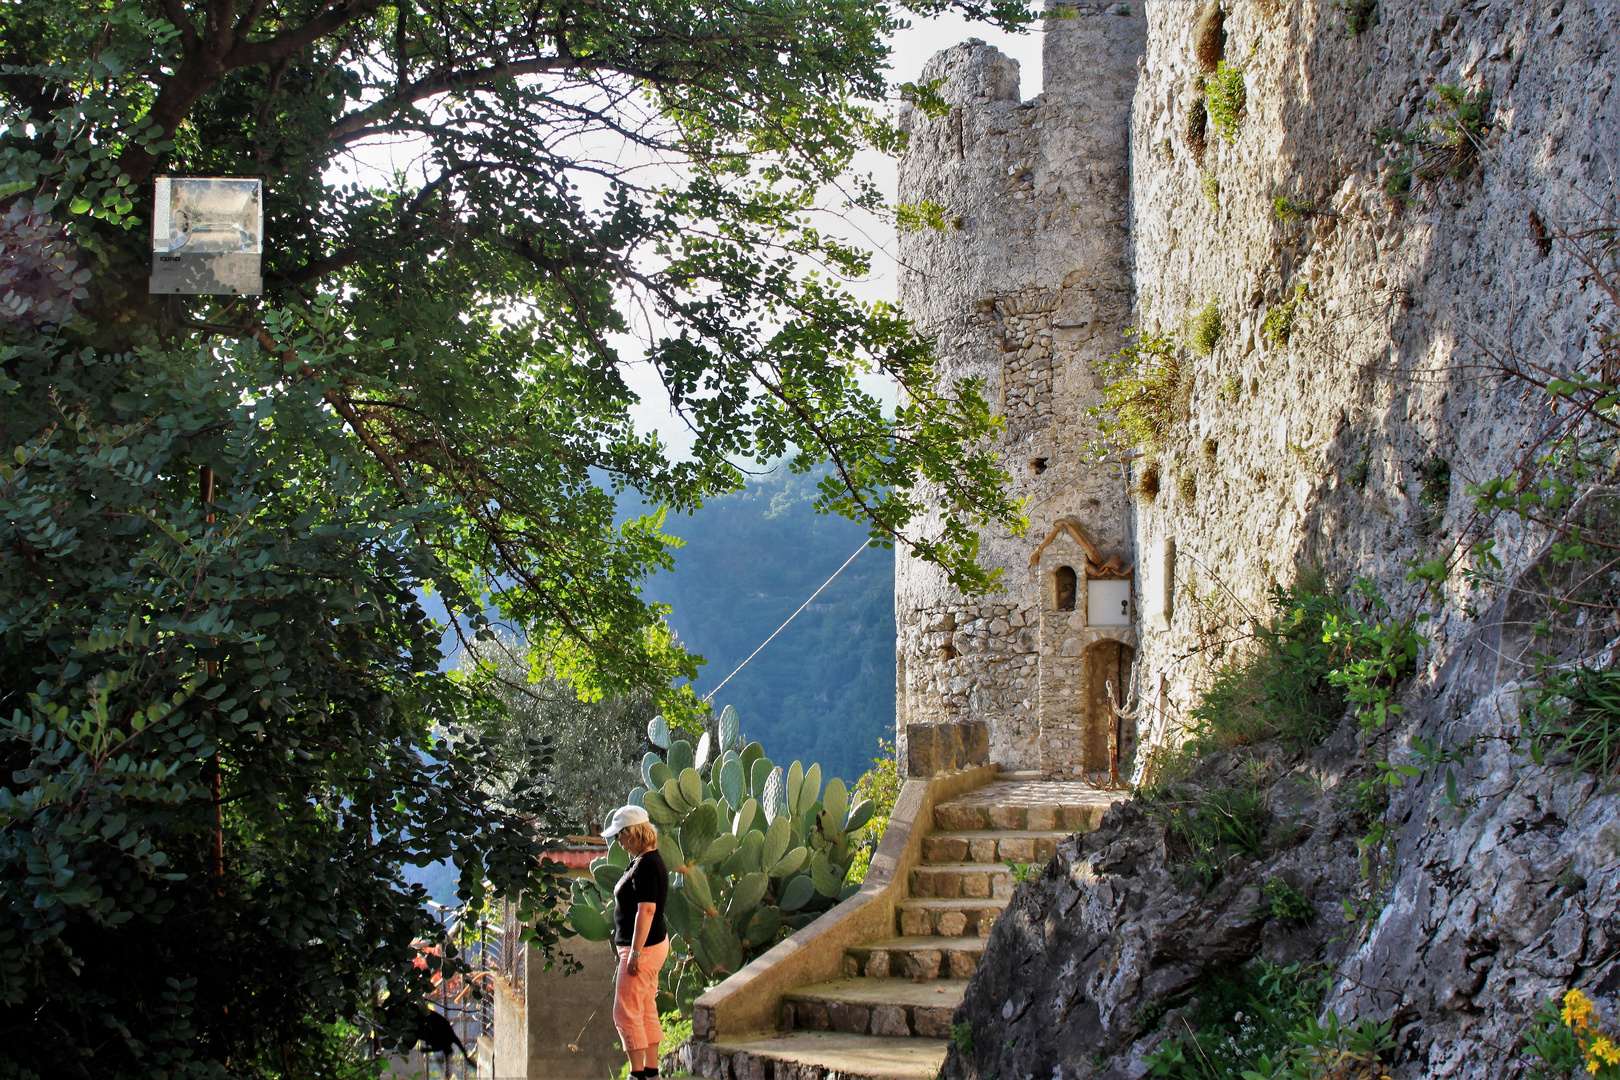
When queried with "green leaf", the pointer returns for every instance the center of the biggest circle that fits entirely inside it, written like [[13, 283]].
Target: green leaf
[[699, 829], [722, 946], [753, 851], [797, 893], [659, 809], [777, 838], [795, 781], [589, 923], [860, 815], [746, 895], [699, 892], [729, 728], [675, 797], [826, 877], [731, 783], [790, 863], [763, 926], [745, 817], [669, 849], [810, 790], [835, 801], [720, 849], [680, 756], [691, 786]]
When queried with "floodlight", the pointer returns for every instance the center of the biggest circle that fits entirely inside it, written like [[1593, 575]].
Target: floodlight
[[207, 235]]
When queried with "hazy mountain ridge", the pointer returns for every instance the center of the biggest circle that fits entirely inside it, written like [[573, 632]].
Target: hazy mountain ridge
[[823, 690]]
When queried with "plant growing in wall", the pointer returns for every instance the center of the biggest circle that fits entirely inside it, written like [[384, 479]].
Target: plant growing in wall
[[1226, 99], [750, 848], [1449, 145], [1204, 331], [1279, 324], [1146, 393]]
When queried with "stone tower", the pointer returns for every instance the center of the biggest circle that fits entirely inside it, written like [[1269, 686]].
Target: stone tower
[[1027, 288]]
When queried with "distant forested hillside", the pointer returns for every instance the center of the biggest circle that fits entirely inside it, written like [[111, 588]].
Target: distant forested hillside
[[824, 689]]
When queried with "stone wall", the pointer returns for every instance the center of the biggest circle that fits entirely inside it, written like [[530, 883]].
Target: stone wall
[[1024, 290], [1312, 452]]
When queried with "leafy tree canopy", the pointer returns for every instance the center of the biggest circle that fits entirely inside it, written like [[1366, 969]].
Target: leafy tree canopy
[[223, 724]]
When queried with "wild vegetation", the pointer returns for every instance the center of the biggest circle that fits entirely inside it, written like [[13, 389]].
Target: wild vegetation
[[224, 726]]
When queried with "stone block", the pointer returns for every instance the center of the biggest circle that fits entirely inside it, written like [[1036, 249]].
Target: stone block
[[812, 1016], [746, 1066], [852, 968], [959, 817], [1041, 818], [1006, 817], [1001, 886], [846, 1017], [983, 850], [1017, 849], [1045, 848], [922, 964], [931, 1023], [877, 965], [935, 749], [915, 922], [945, 849], [962, 964], [976, 886], [889, 1020], [952, 923]]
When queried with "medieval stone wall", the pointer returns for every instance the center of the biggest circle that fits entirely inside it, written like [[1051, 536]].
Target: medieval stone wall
[[1025, 289]]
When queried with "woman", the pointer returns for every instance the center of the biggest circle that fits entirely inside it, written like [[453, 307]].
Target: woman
[[638, 934]]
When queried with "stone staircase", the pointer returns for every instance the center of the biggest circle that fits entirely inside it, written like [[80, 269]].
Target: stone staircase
[[889, 1017]]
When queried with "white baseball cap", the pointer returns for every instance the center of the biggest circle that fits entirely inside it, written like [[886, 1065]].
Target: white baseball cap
[[624, 817]]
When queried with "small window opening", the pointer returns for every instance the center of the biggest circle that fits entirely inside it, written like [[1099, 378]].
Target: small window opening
[[1038, 466], [1067, 587]]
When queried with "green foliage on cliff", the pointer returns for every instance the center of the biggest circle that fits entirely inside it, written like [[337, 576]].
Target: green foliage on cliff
[[1226, 99], [1147, 392]]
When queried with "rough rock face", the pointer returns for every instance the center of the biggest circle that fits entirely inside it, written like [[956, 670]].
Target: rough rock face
[[1490, 907]]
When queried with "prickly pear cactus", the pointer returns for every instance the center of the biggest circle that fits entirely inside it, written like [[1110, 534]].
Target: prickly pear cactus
[[753, 850]]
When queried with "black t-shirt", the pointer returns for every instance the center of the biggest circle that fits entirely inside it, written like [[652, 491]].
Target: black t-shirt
[[645, 882]]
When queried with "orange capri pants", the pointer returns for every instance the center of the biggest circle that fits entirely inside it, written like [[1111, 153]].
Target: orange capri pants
[[635, 998]]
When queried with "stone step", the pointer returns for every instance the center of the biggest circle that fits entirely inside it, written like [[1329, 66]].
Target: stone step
[[875, 1007], [1040, 805], [914, 957], [972, 881], [992, 845], [819, 1055], [1067, 817], [948, 918]]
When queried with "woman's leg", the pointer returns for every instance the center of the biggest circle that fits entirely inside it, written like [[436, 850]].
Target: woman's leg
[[652, 961], [629, 1010]]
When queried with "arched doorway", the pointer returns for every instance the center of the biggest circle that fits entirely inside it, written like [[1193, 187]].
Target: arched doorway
[[1108, 664]]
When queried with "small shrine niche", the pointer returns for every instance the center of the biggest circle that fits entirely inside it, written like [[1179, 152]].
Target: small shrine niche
[[1087, 655], [1065, 587]]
